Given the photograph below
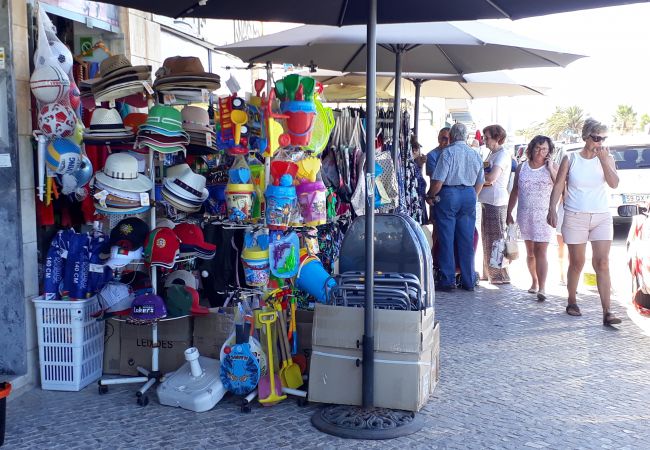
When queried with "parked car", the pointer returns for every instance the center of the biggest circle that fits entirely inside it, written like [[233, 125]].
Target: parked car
[[633, 167], [638, 252]]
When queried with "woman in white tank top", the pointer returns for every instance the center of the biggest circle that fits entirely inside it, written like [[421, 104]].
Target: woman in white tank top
[[586, 175]]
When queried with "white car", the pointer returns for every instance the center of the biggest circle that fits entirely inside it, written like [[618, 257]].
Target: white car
[[633, 167]]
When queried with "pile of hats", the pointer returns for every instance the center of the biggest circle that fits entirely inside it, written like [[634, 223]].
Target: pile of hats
[[119, 188], [183, 189], [181, 295], [192, 241], [185, 79], [196, 122], [106, 126], [163, 131], [119, 79], [127, 240], [161, 247]]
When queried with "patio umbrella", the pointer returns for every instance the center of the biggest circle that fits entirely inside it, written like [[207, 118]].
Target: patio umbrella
[[450, 48], [354, 12], [471, 86]]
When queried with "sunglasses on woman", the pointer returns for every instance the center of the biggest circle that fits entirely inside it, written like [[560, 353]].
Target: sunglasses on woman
[[597, 138]]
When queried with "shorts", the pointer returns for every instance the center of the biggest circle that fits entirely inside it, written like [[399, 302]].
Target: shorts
[[580, 227]]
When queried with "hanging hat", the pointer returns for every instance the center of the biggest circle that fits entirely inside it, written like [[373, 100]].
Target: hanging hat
[[193, 242], [134, 120], [117, 69], [187, 185], [106, 125], [166, 119], [196, 119], [183, 278], [121, 172], [148, 307], [184, 68], [115, 296], [183, 301], [121, 90], [129, 233], [121, 257], [161, 247]]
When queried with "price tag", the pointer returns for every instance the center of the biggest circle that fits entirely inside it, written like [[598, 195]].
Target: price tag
[[147, 87], [101, 197], [205, 95], [208, 139], [169, 99], [144, 199], [96, 268], [370, 185], [111, 103], [64, 254]]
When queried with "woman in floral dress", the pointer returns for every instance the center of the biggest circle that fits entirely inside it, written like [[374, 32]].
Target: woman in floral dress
[[532, 188]]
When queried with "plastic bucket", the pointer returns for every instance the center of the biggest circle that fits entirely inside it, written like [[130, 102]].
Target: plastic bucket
[[300, 121], [5, 390], [256, 266], [239, 199], [314, 279], [312, 199], [280, 203]]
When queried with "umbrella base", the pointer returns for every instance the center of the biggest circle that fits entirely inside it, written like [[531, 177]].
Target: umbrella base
[[355, 422]]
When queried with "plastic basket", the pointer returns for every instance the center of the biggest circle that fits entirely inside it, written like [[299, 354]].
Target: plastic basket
[[70, 343]]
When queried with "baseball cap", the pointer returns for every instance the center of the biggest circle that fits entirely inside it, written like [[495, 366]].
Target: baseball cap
[[120, 257], [183, 301], [148, 307], [161, 247], [182, 278], [193, 242], [129, 233], [138, 281], [115, 298]]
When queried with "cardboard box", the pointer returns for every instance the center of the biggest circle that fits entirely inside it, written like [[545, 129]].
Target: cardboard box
[[395, 331], [112, 347], [304, 325], [174, 337], [211, 331], [407, 349]]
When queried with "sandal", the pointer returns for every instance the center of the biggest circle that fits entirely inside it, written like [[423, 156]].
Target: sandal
[[611, 319], [532, 291], [541, 296], [573, 310]]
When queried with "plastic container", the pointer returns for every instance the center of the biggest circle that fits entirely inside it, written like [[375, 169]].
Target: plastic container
[[300, 121], [5, 390], [313, 278], [70, 343], [258, 179], [280, 203], [256, 266], [196, 385], [239, 199], [312, 198], [218, 192]]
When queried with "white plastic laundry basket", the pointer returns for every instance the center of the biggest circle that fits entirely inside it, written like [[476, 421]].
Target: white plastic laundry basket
[[70, 343]]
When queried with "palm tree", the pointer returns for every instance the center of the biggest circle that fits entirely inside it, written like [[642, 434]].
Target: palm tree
[[564, 122], [645, 120], [624, 119]]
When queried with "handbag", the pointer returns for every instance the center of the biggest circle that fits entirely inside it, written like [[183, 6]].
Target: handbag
[[498, 259], [512, 248]]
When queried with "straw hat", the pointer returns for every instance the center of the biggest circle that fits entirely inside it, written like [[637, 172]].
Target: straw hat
[[184, 68], [121, 172]]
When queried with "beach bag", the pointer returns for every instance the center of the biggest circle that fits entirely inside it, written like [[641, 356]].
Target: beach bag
[[512, 248], [498, 259]]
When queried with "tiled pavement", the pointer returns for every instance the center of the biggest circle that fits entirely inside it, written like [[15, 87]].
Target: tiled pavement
[[515, 374]]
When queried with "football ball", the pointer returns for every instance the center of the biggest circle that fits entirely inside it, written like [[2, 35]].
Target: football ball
[[49, 84], [56, 120], [62, 54]]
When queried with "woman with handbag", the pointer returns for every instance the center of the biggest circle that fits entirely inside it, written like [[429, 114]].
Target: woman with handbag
[[586, 175], [534, 179], [494, 200]]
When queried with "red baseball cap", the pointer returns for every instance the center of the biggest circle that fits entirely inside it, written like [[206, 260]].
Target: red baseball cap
[[196, 309], [161, 247], [193, 242]]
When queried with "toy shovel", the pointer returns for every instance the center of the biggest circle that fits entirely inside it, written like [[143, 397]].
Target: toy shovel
[[270, 385], [290, 372]]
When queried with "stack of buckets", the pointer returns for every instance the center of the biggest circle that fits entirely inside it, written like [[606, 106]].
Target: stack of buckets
[[312, 198], [256, 265], [239, 192], [313, 278], [300, 120]]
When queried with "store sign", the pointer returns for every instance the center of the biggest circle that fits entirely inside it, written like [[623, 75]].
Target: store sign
[[100, 11]]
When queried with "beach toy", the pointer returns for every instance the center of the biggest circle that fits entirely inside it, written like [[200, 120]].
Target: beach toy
[[282, 167], [284, 254], [239, 199], [258, 179], [239, 118], [280, 203], [313, 279], [256, 265], [239, 172], [300, 121], [323, 125], [312, 199], [308, 169]]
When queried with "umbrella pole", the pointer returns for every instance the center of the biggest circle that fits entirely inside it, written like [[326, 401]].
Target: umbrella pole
[[267, 160], [416, 113], [397, 104], [368, 422]]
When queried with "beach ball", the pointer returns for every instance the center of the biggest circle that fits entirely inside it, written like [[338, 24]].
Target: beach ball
[[63, 156], [74, 95], [49, 84], [77, 179], [56, 120], [62, 54]]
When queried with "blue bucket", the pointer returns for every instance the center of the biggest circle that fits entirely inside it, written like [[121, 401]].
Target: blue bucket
[[313, 279], [280, 203]]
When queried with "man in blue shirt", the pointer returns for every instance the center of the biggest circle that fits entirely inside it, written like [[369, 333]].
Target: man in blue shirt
[[432, 160], [456, 181]]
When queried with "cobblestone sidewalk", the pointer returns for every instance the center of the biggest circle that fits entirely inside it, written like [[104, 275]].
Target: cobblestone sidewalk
[[515, 374]]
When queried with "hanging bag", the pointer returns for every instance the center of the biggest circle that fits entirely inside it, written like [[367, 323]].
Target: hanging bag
[[512, 248], [498, 259]]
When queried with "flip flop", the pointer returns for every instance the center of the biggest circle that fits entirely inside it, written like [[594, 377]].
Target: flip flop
[[541, 296], [573, 310], [532, 291]]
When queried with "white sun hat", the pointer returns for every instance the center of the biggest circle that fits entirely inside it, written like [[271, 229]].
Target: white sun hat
[[121, 172]]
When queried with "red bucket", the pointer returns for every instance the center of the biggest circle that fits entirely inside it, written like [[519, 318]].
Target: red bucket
[[300, 120]]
